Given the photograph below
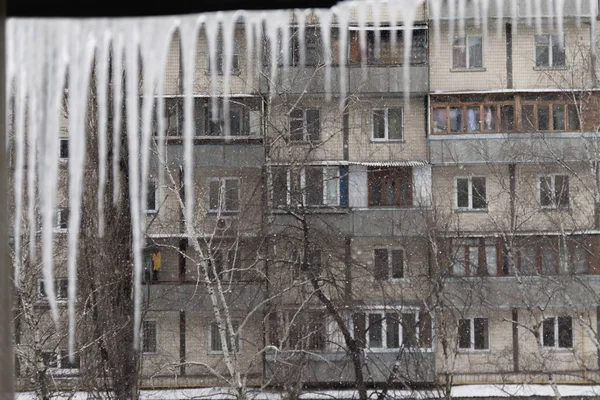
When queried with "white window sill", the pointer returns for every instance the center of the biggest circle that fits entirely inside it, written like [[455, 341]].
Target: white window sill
[[563, 350], [478, 69], [384, 141], [551, 68], [60, 230], [474, 351], [396, 349], [471, 210], [223, 212], [556, 209], [63, 371], [151, 211], [220, 353]]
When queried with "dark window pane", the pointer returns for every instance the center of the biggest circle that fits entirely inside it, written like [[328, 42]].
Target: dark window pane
[[546, 195], [375, 192], [375, 331], [558, 52], [215, 338], [390, 191], [392, 331], [314, 186], [580, 262], [62, 288], [464, 334], [561, 187], [279, 186], [565, 332], [379, 124], [573, 117], [232, 197], [456, 119], [151, 196], [542, 50], [543, 115], [406, 188], [475, 52], [214, 194], [313, 124], [65, 363], [297, 125], [548, 332], [358, 320], [397, 264], [558, 117], [459, 52], [462, 193], [425, 330], [481, 335], [508, 118], [381, 264], [473, 119], [549, 258], [149, 337], [64, 148], [439, 119], [409, 330], [395, 124], [479, 197], [528, 117]]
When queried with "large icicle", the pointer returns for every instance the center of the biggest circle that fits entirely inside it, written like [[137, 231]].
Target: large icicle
[[102, 115]]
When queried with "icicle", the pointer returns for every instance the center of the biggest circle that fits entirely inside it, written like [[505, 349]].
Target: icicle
[[538, 16], [301, 20], [249, 27], [528, 12], [272, 32], [228, 31], [513, 15], [376, 16], [82, 49], [211, 26], [558, 12], [361, 10], [117, 79], [393, 17], [408, 15], [461, 17], [258, 36], [284, 49], [325, 21], [594, 13], [485, 10], [477, 12], [102, 88], [131, 84], [343, 18], [435, 7], [578, 4], [550, 15], [452, 17], [499, 17]]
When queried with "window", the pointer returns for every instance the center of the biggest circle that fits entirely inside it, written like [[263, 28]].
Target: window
[[473, 334], [61, 289], [312, 186], [554, 191], [549, 51], [388, 124], [470, 193], [226, 264], [313, 263], [388, 264], [385, 53], [59, 360], [467, 52], [474, 257], [64, 148], [61, 219], [244, 117], [579, 257], [305, 125], [149, 336], [224, 195], [216, 345], [152, 193], [392, 330], [390, 187], [306, 330], [152, 265], [173, 116], [557, 332]]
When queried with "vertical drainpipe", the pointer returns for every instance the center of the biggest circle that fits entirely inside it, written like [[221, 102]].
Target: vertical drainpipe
[[346, 155], [509, 68], [6, 346]]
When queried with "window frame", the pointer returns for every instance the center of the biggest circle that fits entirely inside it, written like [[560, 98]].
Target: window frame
[[471, 348], [470, 195], [151, 183], [386, 131], [290, 201], [235, 326], [63, 155], [482, 245], [389, 268], [219, 55], [550, 48], [304, 122], [467, 52], [60, 369], [556, 333], [59, 226], [288, 330], [222, 193], [58, 282], [398, 175], [554, 204], [143, 336]]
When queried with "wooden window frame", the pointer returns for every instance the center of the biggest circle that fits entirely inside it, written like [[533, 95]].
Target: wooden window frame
[[482, 244], [472, 348], [398, 175]]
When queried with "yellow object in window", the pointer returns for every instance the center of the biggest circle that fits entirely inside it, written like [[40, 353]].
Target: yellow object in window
[[156, 261]]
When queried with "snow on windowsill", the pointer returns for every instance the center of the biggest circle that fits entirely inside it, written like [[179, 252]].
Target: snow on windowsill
[[550, 68], [467, 70]]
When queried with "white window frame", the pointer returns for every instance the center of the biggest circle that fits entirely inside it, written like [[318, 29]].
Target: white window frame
[[386, 132], [550, 45], [399, 312], [556, 333], [303, 185], [57, 281], [57, 218], [305, 138], [390, 263], [470, 193], [472, 334], [59, 369], [554, 205], [155, 321], [467, 52], [231, 351], [223, 201]]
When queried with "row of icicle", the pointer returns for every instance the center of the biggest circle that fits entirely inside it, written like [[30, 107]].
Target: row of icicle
[[40, 52]]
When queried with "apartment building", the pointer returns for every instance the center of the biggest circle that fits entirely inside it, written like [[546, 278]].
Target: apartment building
[[442, 236]]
